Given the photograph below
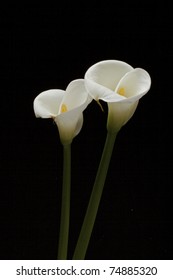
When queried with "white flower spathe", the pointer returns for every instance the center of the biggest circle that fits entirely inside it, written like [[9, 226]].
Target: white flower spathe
[[120, 85], [65, 107]]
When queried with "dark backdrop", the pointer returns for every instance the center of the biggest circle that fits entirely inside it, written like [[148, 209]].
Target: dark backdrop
[[47, 47]]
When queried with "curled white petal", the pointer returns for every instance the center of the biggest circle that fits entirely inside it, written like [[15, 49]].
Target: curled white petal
[[47, 103], [108, 72], [135, 83], [75, 94], [76, 99]]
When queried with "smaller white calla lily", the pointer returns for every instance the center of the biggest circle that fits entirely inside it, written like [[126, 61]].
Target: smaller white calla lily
[[120, 85], [65, 107]]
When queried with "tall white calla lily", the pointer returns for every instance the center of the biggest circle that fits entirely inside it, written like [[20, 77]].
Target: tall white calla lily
[[65, 107], [120, 85]]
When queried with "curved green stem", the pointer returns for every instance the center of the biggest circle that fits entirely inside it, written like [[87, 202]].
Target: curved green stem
[[65, 204], [95, 198]]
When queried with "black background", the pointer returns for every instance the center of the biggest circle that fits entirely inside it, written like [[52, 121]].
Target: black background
[[47, 47]]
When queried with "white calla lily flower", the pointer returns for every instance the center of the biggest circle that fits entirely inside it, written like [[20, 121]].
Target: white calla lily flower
[[120, 85], [65, 107]]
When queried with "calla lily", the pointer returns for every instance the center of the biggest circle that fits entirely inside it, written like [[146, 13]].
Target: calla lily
[[120, 85], [65, 107]]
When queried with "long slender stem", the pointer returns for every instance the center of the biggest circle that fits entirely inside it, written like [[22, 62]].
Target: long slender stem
[[65, 204], [95, 198]]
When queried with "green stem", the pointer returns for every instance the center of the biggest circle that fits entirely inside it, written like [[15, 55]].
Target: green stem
[[95, 198], [65, 204]]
